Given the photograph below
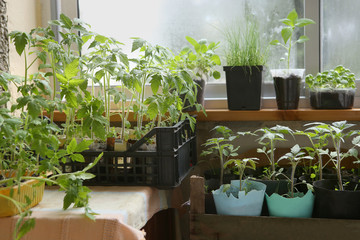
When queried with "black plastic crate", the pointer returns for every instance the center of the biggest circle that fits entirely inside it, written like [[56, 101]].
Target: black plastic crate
[[164, 167]]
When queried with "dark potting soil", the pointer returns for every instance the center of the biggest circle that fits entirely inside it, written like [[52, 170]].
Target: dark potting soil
[[291, 77]]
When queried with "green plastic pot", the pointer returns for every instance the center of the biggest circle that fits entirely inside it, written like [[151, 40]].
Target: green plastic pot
[[298, 207]]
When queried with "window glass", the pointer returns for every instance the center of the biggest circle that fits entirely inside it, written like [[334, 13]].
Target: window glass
[[167, 22], [340, 34]]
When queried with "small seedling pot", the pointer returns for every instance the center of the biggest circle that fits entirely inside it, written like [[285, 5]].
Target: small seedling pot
[[331, 203], [243, 87], [33, 189], [239, 203], [332, 98], [298, 207], [287, 84]]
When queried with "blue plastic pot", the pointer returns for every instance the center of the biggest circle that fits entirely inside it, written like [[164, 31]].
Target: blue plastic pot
[[237, 203], [298, 207]]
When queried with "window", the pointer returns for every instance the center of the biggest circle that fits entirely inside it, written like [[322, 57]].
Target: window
[[340, 34], [333, 40], [168, 22]]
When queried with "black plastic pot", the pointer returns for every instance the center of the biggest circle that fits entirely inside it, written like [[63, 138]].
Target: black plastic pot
[[200, 87], [243, 87], [287, 91], [210, 207], [331, 203], [332, 98]]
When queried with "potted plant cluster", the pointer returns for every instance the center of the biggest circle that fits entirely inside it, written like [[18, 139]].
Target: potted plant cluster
[[327, 198], [333, 89], [202, 60], [338, 198], [245, 56], [30, 144], [295, 203], [79, 83], [241, 197], [287, 82]]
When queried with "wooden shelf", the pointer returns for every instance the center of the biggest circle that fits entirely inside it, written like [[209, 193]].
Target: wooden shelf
[[224, 115], [281, 115]]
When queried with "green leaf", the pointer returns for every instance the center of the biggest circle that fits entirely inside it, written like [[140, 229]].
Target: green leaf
[[302, 39], [155, 83], [72, 146], [137, 43], [216, 59], [101, 38], [192, 56], [286, 33], [66, 21], [85, 176], [192, 41], [21, 40], [90, 215], [26, 226], [76, 82], [152, 110], [86, 38], [77, 157], [274, 42], [293, 16], [303, 22], [33, 109], [68, 200], [287, 22], [61, 78], [71, 99], [216, 75], [71, 69], [99, 130]]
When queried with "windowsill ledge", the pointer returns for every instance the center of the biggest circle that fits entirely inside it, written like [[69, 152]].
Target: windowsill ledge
[[268, 114]]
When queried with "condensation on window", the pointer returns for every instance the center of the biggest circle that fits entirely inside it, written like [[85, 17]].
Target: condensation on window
[[340, 34], [167, 22]]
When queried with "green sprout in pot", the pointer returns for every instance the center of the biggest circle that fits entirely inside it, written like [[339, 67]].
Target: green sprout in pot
[[336, 78], [295, 156], [269, 139], [202, 59], [333, 89], [221, 147], [241, 165], [318, 138], [288, 33], [243, 44], [338, 132]]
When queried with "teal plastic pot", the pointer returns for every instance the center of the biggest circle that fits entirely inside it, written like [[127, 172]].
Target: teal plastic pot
[[237, 203], [298, 207]]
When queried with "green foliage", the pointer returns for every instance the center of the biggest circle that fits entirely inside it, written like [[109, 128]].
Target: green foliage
[[339, 132], [336, 78], [318, 138], [244, 45], [269, 138], [221, 147], [295, 156], [292, 23], [201, 58], [241, 165]]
